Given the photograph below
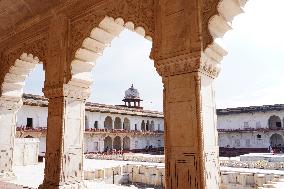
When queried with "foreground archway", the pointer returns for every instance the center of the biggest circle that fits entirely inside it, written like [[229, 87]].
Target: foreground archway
[[10, 102], [186, 52]]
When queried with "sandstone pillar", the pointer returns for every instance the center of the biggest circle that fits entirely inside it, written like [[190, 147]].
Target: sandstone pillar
[[188, 71], [65, 131], [190, 135], [8, 110]]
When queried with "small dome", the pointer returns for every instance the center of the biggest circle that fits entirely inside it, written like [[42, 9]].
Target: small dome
[[132, 93]]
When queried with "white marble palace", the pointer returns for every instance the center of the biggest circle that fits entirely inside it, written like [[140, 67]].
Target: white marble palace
[[129, 127], [250, 129], [121, 127]]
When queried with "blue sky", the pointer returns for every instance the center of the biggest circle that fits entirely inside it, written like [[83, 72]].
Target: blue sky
[[252, 72]]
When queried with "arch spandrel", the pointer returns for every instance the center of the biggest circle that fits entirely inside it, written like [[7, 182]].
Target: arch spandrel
[[139, 12], [8, 57]]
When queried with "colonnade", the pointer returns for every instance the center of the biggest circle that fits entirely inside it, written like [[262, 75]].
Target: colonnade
[[186, 55]]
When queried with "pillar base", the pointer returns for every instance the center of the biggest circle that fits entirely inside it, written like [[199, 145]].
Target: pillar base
[[7, 176], [80, 185]]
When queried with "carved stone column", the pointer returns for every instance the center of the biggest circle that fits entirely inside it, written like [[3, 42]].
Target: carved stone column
[[188, 71], [190, 125], [8, 110], [64, 153]]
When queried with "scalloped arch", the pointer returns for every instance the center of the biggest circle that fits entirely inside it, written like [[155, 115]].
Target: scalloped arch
[[93, 46], [218, 25], [14, 81]]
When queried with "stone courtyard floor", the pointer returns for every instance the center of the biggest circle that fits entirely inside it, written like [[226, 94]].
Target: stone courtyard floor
[[32, 175]]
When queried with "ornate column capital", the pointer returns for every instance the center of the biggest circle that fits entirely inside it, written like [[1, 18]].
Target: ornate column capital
[[67, 90], [207, 62]]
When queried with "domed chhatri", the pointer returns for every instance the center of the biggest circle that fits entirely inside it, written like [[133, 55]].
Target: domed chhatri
[[132, 98]]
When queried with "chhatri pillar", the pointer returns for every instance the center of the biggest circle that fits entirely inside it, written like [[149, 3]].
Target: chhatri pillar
[[8, 111], [188, 72]]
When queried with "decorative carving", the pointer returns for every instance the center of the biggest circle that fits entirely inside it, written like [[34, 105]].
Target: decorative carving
[[141, 13], [8, 57], [67, 90], [209, 9], [178, 65]]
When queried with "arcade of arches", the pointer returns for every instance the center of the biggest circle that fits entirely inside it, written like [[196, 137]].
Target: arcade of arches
[[68, 37]]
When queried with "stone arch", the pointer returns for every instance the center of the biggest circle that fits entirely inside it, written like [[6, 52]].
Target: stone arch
[[14, 81], [143, 126], [108, 123], [147, 125], [117, 143], [217, 20], [274, 122], [86, 122], [126, 124], [276, 140], [117, 123], [107, 143], [152, 126], [126, 143], [93, 46]]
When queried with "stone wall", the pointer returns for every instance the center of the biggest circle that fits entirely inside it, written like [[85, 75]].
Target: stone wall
[[26, 151]]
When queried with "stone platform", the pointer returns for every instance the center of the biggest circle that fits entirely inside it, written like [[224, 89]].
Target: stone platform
[[262, 157]]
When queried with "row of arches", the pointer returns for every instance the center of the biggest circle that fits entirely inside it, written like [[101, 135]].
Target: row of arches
[[89, 45], [116, 143], [118, 124]]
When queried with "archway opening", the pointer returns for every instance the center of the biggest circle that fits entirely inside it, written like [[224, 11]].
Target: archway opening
[[107, 144], [274, 122], [108, 123], [126, 124], [276, 140], [147, 125], [117, 123], [143, 126], [117, 143], [126, 143], [152, 126]]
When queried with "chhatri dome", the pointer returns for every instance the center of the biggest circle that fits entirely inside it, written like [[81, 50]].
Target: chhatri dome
[[132, 98]]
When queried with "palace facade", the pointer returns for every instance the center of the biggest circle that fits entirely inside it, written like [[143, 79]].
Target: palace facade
[[250, 129], [121, 127]]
